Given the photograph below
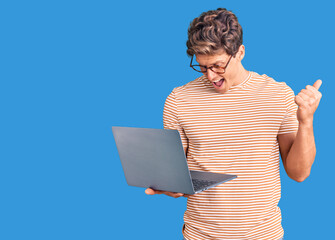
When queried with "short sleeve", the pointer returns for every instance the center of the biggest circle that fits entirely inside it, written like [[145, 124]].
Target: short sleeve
[[170, 118], [290, 122]]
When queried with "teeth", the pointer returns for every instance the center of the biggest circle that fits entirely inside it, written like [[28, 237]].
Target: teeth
[[218, 80]]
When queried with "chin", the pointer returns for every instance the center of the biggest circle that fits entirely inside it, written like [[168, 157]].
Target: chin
[[221, 90]]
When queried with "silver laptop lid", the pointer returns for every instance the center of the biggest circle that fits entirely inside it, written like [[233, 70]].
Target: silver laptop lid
[[153, 158]]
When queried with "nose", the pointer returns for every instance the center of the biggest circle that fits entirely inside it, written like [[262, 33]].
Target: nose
[[210, 74]]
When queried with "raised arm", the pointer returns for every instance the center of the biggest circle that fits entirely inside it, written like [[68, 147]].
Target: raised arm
[[298, 149]]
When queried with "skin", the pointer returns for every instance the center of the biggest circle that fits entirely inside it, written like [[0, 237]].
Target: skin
[[297, 149]]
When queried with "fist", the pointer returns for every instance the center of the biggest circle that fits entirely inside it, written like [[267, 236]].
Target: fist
[[308, 101]]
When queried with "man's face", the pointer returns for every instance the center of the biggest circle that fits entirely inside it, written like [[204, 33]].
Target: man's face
[[221, 82]]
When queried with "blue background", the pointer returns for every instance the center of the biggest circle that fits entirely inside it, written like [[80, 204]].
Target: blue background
[[70, 70]]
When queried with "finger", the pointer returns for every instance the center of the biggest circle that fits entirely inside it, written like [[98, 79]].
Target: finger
[[300, 101], [175, 195], [179, 195], [308, 93], [312, 98], [150, 191], [317, 84], [304, 96], [313, 89]]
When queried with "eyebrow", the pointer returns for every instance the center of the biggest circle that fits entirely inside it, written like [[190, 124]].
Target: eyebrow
[[216, 63], [223, 62]]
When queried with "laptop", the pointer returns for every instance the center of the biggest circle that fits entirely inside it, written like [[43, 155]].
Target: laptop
[[155, 158]]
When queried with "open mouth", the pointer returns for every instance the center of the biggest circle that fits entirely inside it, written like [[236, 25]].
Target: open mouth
[[218, 83]]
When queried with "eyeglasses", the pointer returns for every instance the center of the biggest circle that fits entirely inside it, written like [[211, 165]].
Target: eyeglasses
[[215, 68]]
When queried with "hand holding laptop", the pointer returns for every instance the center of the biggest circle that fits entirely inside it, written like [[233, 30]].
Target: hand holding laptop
[[155, 159], [150, 191]]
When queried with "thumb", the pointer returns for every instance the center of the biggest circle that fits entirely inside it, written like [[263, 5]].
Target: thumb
[[317, 84]]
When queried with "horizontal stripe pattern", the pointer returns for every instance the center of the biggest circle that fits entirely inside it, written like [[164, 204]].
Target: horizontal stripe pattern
[[234, 133]]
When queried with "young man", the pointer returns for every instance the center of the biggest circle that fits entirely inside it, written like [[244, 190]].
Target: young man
[[236, 121]]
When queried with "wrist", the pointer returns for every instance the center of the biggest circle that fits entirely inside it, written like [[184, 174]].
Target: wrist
[[306, 124]]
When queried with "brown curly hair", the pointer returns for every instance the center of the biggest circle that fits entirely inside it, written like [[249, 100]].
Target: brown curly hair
[[214, 31]]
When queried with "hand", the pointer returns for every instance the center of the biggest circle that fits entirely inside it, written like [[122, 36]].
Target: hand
[[308, 101], [151, 191]]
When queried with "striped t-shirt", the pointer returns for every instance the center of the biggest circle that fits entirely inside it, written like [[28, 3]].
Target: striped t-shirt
[[234, 133]]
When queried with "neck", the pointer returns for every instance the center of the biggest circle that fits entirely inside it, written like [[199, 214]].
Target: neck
[[240, 76]]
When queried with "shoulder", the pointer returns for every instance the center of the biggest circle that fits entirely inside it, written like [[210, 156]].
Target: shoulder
[[195, 84], [266, 82], [192, 88]]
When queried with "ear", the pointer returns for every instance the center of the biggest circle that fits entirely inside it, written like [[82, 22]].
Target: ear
[[240, 54]]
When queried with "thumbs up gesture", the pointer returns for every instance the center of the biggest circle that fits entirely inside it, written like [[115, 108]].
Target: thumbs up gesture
[[308, 101]]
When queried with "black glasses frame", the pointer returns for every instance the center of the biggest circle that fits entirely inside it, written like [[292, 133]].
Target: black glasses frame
[[211, 67]]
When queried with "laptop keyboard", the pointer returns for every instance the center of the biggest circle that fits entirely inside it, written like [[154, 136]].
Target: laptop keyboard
[[199, 184]]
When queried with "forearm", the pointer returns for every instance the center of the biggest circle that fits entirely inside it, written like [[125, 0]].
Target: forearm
[[302, 153]]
